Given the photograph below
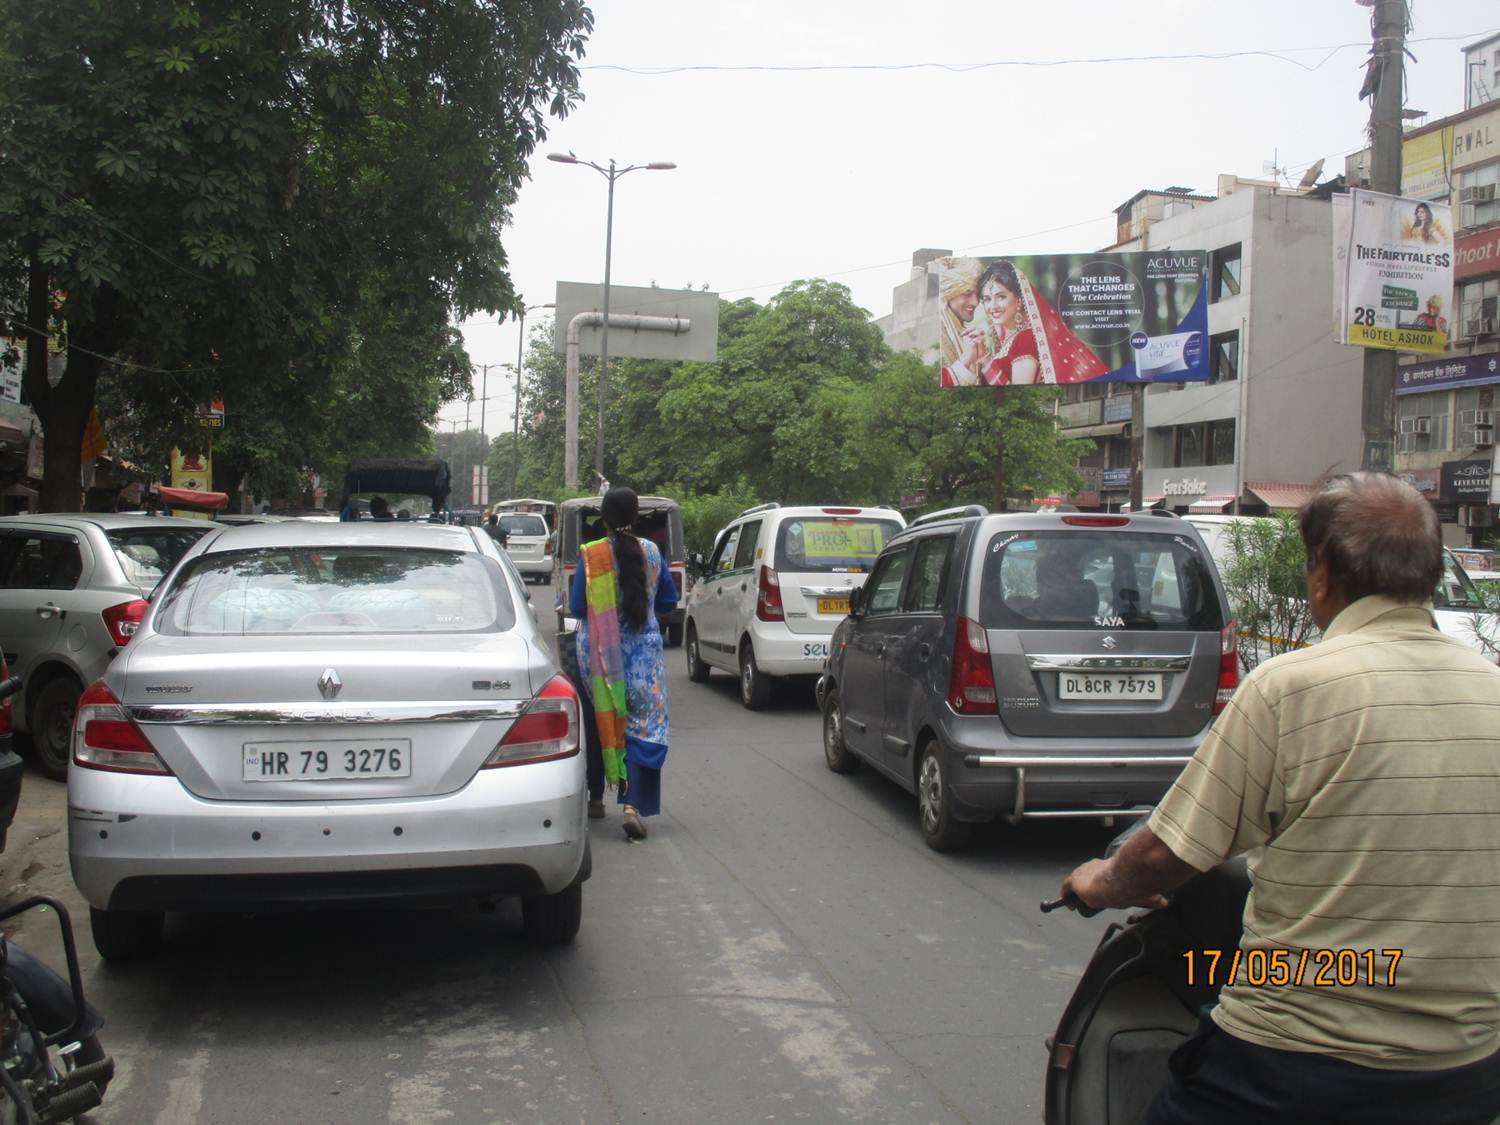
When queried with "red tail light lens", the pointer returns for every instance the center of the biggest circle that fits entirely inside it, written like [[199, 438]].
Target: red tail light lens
[[547, 547], [971, 686], [548, 729], [1095, 521], [1229, 668], [105, 737], [768, 605], [124, 619]]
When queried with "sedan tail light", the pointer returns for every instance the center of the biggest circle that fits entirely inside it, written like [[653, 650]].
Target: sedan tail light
[[124, 619], [106, 738], [548, 729], [1229, 668], [971, 686]]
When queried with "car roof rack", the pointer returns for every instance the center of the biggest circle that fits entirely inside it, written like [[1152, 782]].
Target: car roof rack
[[1165, 512], [965, 511], [760, 508]]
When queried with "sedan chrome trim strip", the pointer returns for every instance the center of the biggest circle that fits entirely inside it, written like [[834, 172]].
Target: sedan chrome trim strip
[[310, 714], [1127, 663], [1056, 761]]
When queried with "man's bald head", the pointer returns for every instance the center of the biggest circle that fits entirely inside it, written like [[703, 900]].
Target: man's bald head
[[1376, 534]]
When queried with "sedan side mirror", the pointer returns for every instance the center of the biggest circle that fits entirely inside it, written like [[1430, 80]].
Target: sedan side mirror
[[857, 602]]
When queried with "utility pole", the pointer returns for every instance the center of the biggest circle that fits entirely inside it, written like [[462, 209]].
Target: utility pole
[[1388, 28]]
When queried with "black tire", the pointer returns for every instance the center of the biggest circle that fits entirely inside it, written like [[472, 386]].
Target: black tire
[[697, 670], [836, 752], [126, 935], [935, 804], [755, 686], [52, 726], [553, 919], [674, 635]]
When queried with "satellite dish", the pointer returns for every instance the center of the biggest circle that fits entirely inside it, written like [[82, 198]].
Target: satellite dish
[[1310, 177]]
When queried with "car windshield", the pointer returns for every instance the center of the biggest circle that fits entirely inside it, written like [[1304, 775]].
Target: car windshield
[[1456, 590], [1083, 580], [523, 525], [146, 554], [832, 545], [314, 590]]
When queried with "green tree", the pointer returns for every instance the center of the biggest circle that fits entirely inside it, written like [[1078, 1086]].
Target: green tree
[[1264, 581], [284, 209]]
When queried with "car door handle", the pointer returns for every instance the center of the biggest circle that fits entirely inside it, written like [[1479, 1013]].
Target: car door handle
[[744, 585], [48, 611], [718, 591]]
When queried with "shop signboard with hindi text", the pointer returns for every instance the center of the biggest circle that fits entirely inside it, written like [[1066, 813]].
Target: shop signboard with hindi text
[[1448, 374], [1393, 272], [1138, 317]]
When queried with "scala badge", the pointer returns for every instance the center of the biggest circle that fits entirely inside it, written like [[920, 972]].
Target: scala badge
[[1108, 642], [329, 683]]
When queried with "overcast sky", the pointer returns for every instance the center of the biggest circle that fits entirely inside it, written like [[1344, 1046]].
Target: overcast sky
[[842, 174]]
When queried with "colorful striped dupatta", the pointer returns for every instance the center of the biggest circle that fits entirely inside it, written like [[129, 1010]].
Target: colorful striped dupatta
[[606, 669]]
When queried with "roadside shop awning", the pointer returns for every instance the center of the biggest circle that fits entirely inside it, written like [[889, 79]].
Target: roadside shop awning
[[1148, 502], [1106, 429], [193, 498], [1206, 505], [1278, 496]]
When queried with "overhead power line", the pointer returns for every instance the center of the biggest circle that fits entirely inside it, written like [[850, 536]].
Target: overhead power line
[[1281, 54]]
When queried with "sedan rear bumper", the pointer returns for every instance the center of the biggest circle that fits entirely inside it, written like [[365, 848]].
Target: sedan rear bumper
[[142, 843]]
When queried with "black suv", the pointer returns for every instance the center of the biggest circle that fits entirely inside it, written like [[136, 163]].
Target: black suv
[[1032, 665]]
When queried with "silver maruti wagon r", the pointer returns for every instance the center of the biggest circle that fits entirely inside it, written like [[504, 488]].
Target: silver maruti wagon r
[[339, 714]]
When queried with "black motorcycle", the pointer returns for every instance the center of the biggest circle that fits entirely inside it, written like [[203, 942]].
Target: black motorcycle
[[1134, 1004]]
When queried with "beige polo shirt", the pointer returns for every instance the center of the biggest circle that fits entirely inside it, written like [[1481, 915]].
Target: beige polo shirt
[[1362, 778]]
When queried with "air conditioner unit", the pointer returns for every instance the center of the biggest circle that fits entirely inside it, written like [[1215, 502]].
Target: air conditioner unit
[[1483, 436], [1405, 425], [1480, 326], [1483, 193], [1421, 424], [1484, 418]]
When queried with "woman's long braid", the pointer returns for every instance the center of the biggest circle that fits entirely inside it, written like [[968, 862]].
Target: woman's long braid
[[631, 559]]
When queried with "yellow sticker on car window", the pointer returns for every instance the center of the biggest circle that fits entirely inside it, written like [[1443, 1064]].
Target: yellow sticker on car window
[[843, 540]]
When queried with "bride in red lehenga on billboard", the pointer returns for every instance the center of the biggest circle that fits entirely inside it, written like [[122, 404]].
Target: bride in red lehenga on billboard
[[1033, 345]]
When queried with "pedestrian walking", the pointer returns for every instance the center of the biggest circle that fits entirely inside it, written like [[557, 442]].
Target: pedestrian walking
[[495, 530], [1361, 776], [619, 588]]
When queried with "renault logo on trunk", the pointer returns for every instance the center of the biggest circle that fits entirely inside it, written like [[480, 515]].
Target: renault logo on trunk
[[329, 683], [1107, 642]]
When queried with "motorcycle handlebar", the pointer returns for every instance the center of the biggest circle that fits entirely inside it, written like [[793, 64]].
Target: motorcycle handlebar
[[1072, 902]]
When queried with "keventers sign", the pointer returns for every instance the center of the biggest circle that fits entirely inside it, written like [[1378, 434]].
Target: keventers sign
[[1393, 272], [1466, 481]]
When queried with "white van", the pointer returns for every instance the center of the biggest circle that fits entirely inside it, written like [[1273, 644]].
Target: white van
[[775, 588], [1457, 607]]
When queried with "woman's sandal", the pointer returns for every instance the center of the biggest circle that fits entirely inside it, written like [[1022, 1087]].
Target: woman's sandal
[[632, 824]]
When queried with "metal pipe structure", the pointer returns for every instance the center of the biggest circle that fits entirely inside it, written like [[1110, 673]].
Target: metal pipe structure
[[672, 324]]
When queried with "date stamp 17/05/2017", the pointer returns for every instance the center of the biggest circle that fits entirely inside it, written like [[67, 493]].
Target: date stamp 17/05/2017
[[1277, 968]]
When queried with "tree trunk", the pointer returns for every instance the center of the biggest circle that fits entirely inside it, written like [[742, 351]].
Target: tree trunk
[[63, 409]]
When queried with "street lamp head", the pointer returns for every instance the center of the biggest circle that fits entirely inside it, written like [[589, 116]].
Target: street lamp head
[[562, 157], [661, 166]]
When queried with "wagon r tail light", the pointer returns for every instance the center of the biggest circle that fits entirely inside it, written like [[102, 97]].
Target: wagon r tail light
[[971, 687], [106, 738], [768, 596], [547, 729], [1229, 668], [124, 620]]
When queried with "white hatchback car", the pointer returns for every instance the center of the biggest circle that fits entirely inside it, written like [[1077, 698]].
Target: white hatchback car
[[528, 542], [776, 587], [329, 714]]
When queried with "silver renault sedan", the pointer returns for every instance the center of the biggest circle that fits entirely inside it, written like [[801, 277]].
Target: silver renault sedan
[[329, 715]]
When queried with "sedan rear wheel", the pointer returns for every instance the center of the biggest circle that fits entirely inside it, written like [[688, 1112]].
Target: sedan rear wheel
[[126, 935], [52, 726], [836, 753], [935, 804], [697, 670], [553, 919]]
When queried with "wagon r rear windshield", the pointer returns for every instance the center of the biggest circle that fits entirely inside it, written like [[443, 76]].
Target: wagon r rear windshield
[[830, 545], [1090, 580], [336, 590]]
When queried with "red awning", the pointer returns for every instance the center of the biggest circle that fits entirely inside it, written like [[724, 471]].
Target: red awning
[[1206, 505], [1279, 497], [1147, 503], [193, 498]]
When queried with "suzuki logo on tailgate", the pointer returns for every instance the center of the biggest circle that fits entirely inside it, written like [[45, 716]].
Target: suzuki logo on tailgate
[[1108, 642], [329, 683]]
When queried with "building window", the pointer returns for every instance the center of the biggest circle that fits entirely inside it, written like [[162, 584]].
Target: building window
[[1479, 308], [1479, 196], [1189, 447], [1093, 388], [1422, 423], [1203, 443], [1475, 412], [1224, 270], [1224, 357], [1221, 442]]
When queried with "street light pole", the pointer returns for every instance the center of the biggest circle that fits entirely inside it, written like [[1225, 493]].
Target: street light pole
[[611, 174]]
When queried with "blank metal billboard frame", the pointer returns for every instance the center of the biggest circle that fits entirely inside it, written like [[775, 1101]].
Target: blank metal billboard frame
[[699, 343]]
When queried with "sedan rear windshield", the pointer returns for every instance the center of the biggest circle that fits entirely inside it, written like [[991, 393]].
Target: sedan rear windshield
[[523, 525], [831, 545], [146, 554], [1089, 580], [341, 590]]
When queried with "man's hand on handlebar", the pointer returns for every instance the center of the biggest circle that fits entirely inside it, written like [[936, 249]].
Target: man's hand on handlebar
[[1094, 885], [1141, 873]]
